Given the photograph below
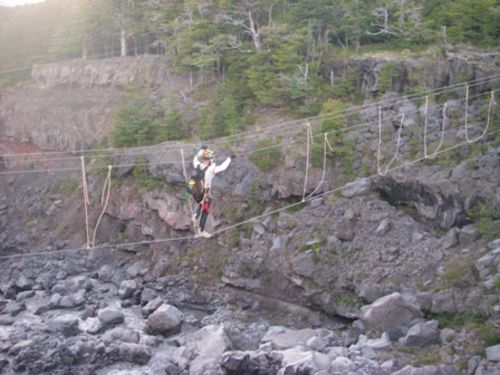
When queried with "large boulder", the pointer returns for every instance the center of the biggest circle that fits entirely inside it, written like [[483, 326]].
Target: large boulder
[[391, 314], [422, 334], [493, 353], [236, 363], [296, 361], [110, 316], [127, 289], [429, 370], [284, 338], [203, 350], [67, 325], [166, 320]]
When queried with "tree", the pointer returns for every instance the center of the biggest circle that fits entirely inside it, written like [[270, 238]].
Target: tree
[[249, 16]]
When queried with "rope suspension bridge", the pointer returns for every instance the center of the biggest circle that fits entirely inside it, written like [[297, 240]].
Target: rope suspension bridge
[[295, 127]]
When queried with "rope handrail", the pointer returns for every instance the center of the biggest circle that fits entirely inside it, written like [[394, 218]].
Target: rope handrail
[[286, 124], [126, 165], [225, 229]]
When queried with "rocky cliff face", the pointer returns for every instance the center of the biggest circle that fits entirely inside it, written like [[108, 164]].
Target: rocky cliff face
[[70, 106], [349, 282]]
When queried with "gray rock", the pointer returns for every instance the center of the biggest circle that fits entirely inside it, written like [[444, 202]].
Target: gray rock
[[91, 326], [14, 308], [297, 361], [121, 334], [383, 227], [429, 370], [20, 346], [493, 353], [127, 289], [284, 338], [206, 346], [106, 273], [138, 269], [65, 324], [484, 265], [151, 306], [54, 301], [342, 365], [468, 234], [251, 362], [147, 296], [67, 302], [359, 187], [166, 321], [135, 353], [444, 301], [450, 239], [317, 343], [21, 296], [23, 283], [76, 283], [343, 230], [79, 297], [491, 283], [447, 335], [303, 264], [110, 316], [495, 244], [422, 334], [392, 314]]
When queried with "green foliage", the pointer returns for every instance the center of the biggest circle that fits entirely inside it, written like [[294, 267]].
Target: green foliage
[[459, 320], [347, 86], [144, 179], [427, 356], [386, 75], [224, 115], [253, 200], [473, 21], [483, 216], [139, 122], [334, 124], [478, 321], [460, 272], [269, 156]]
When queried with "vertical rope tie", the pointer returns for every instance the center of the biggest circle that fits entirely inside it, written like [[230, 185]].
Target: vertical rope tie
[[308, 146], [189, 199], [441, 141], [106, 192], [488, 119], [426, 118], [466, 115], [85, 199], [324, 166], [379, 149]]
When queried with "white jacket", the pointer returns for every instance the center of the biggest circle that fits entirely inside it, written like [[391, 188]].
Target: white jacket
[[211, 170]]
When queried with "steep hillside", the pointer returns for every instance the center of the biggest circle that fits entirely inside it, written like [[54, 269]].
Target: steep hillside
[[373, 273]]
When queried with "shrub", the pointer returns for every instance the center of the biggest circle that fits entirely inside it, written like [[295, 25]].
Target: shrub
[[144, 179], [460, 272], [268, 158], [483, 216]]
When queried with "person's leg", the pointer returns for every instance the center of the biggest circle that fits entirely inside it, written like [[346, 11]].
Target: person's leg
[[205, 208], [203, 220]]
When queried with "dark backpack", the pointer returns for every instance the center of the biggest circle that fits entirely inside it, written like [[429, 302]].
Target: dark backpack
[[195, 185]]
